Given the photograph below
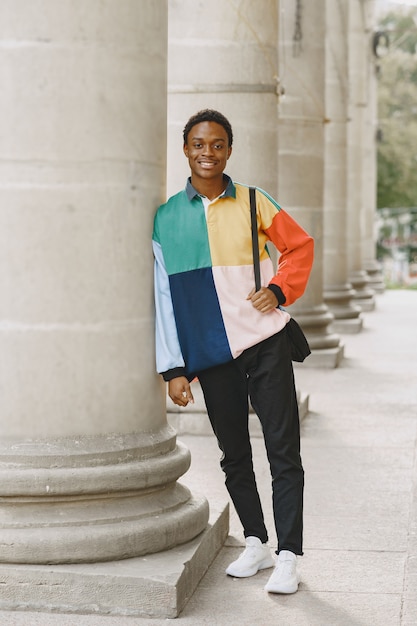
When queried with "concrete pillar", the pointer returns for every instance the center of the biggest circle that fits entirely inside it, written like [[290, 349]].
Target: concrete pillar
[[89, 465], [358, 92], [301, 158], [371, 264], [338, 292], [230, 65]]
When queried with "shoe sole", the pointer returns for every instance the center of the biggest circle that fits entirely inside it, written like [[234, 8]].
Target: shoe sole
[[266, 564], [285, 589]]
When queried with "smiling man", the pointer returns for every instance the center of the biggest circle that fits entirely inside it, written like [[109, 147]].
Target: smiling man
[[211, 323]]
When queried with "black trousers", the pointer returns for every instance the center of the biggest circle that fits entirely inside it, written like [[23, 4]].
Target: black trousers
[[264, 373]]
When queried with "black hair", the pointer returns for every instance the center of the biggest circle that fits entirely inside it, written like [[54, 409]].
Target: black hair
[[208, 115]]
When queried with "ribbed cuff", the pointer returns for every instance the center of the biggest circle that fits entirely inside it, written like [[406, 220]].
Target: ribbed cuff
[[176, 372], [277, 291]]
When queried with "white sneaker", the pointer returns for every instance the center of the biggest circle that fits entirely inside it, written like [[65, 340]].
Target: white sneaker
[[284, 577], [255, 556]]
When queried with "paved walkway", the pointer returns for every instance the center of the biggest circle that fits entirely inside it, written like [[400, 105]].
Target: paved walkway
[[359, 454]]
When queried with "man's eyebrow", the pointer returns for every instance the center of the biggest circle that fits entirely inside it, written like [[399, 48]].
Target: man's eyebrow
[[200, 139]]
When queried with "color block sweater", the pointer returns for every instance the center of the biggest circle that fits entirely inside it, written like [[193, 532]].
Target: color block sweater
[[204, 273]]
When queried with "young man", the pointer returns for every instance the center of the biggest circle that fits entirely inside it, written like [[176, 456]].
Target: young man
[[211, 323]]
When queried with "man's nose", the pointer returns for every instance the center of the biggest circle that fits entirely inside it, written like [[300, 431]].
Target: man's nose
[[208, 149]]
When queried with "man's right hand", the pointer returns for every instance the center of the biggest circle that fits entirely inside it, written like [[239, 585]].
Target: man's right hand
[[179, 391]]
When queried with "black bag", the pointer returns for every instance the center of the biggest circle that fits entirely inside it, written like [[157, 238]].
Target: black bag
[[299, 344]]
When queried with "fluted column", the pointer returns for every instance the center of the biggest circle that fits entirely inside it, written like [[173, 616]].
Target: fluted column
[[230, 65], [338, 292], [88, 464], [301, 158], [359, 45]]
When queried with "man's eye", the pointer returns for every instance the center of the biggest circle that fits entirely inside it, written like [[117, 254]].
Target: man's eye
[[197, 145], [219, 146]]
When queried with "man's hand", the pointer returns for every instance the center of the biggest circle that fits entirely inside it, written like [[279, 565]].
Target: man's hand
[[263, 300], [179, 391]]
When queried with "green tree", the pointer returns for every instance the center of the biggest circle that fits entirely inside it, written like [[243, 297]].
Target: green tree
[[397, 97], [402, 30]]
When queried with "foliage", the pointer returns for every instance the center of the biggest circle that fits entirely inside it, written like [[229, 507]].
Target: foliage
[[402, 30], [397, 97]]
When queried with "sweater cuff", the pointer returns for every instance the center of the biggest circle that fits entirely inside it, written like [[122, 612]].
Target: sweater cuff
[[176, 372], [277, 291]]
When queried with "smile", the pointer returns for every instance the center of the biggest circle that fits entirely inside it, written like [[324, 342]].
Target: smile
[[207, 164]]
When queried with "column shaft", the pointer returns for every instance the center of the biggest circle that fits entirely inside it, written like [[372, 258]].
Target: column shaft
[[301, 159], [359, 46], [371, 264], [338, 292], [238, 51], [88, 462]]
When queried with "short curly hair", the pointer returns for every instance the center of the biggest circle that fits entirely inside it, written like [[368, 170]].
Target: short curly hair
[[208, 115]]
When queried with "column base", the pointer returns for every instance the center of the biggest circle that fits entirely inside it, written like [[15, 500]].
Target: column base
[[347, 326], [366, 303], [326, 347], [375, 275], [102, 498], [155, 586], [347, 315], [364, 295], [327, 358]]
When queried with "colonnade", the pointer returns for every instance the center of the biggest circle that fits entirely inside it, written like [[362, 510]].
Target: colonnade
[[89, 465]]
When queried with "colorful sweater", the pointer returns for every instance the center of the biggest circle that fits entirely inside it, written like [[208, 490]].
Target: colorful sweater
[[204, 273]]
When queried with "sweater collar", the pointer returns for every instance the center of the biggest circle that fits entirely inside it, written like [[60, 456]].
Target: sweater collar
[[230, 190]]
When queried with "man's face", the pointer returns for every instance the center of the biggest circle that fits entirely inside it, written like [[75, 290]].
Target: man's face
[[207, 150]]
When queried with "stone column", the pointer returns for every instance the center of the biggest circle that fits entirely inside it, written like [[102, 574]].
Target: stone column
[[370, 262], [230, 65], [358, 76], [301, 158], [89, 465], [338, 292]]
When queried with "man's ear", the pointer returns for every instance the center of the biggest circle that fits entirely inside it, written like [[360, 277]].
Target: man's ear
[[229, 151], [185, 149]]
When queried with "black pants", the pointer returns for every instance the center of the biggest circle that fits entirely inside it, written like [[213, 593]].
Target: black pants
[[264, 373]]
